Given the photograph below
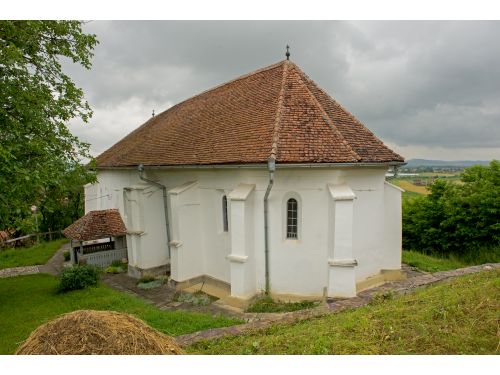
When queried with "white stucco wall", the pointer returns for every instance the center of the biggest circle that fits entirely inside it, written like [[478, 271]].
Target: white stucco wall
[[296, 266]]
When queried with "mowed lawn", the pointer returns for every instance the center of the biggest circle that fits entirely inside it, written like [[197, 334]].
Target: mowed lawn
[[30, 256], [459, 316], [28, 301]]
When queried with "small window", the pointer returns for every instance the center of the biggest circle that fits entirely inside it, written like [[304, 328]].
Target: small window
[[225, 222], [291, 218]]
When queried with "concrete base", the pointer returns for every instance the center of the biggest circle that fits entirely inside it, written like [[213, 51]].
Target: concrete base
[[379, 279], [205, 280], [296, 297], [137, 272]]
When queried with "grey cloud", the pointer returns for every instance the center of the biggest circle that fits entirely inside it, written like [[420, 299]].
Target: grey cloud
[[429, 84]]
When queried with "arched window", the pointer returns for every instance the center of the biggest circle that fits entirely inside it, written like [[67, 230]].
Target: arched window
[[291, 218], [225, 222]]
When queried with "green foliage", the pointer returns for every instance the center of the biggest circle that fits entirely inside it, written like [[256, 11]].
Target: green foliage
[[29, 301], [435, 263], [117, 266], [268, 305], [458, 316], [29, 256], [198, 298], [146, 279], [67, 256], [117, 263], [37, 99], [78, 277], [456, 218], [114, 270], [429, 263]]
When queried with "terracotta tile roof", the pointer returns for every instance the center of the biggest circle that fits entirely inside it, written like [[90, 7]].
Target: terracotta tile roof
[[95, 225], [275, 111]]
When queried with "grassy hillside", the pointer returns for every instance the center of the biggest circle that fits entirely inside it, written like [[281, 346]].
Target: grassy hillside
[[459, 316]]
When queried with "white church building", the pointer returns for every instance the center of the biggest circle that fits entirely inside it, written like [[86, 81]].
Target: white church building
[[264, 183]]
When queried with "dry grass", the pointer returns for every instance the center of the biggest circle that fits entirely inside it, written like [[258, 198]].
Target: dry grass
[[97, 332], [408, 186]]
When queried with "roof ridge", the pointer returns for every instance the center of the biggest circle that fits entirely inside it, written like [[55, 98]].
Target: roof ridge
[[327, 118], [279, 109]]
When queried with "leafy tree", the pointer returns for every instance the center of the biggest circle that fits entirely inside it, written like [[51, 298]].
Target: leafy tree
[[456, 218], [37, 99]]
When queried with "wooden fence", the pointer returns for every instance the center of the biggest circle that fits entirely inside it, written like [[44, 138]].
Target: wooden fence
[[30, 239]]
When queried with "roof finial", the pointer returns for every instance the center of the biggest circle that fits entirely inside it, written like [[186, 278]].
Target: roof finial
[[287, 54], [153, 114]]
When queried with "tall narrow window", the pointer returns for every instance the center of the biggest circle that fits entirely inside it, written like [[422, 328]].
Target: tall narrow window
[[291, 218], [225, 222]]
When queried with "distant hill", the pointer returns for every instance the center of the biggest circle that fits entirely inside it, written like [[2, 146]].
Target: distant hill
[[443, 163]]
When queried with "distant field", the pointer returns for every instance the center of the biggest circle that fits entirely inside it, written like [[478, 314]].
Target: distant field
[[407, 185], [411, 189], [438, 174]]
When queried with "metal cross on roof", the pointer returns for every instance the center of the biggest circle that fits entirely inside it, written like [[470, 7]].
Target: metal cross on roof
[[287, 54]]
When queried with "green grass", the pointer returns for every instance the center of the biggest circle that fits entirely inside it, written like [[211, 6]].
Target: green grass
[[29, 301], [435, 263], [459, 316], [268, 305], [30, 256], [430, 263]]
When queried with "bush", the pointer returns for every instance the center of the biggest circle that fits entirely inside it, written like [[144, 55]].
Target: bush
[[114, 270], [67, 256], [78, 277], [460, 219], [146, 279], [266, 304]]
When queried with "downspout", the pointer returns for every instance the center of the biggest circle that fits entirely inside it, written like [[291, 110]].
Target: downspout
[[140, 168], [271, 166]]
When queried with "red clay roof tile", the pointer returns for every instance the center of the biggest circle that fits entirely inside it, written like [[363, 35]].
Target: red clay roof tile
[[95, 225], [275, 111]]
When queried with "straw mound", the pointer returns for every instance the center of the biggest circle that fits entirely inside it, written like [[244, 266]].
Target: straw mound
[[97, 332]]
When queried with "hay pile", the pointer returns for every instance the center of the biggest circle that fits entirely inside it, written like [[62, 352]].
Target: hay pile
[[97, 332]]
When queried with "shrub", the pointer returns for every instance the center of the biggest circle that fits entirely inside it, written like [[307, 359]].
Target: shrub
[[266, 304], [117, 263], [151, 284], [198, 298], [78, 277], [67, 256], [460, 219], [146, 279], [114, 270]]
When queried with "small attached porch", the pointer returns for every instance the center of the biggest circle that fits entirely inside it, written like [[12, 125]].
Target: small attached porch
[[98, 238]]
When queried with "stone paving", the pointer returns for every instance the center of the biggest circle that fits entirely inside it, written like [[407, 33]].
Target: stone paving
[[18, 271], [55, 264], [162, 297]]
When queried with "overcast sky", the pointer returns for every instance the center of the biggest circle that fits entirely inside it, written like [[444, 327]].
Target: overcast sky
[[427, 89]]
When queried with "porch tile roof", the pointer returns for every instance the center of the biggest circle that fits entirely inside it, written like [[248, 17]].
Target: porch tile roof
[[95, 225]]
